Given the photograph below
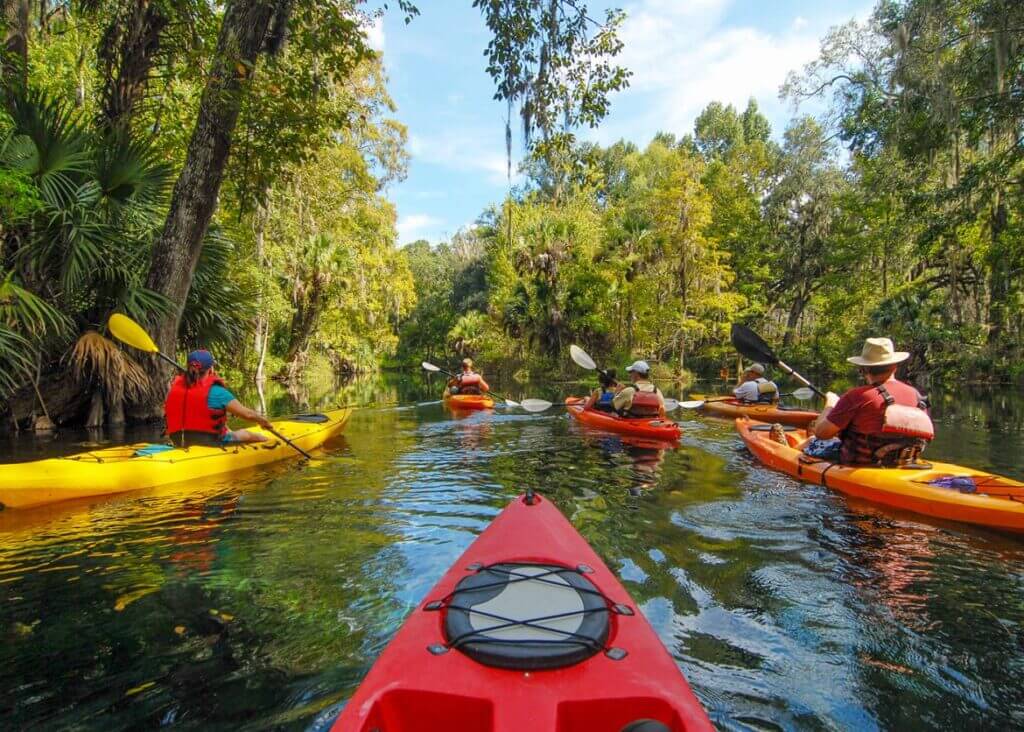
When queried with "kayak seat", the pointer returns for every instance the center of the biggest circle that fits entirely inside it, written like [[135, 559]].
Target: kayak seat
[[528, 616]]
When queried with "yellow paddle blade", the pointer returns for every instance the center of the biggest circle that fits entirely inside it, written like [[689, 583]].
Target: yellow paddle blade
[[128, 331]]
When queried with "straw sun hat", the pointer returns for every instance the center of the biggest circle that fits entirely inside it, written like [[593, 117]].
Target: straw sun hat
[[879, 352]]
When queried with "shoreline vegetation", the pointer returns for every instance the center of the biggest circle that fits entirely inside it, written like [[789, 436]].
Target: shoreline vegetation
[[221, 176]]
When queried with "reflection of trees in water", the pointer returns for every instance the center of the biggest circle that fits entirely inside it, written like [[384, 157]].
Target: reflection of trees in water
[[929, 599]]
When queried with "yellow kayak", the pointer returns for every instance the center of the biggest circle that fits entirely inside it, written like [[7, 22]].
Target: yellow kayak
[[944, 490], [132, 467]]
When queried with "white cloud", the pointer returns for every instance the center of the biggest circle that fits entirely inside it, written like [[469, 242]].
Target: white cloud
[[684, 55], [375, 33], [465, 150], [417, 226]]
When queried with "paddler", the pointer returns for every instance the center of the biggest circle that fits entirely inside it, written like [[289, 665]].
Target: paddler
[[884, 423], [641, 398], [754, 388], [467, 381], [198, 405], [602, 397]]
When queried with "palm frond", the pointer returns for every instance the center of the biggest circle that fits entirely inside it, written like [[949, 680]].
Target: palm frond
[[96, 358], [27, 313], [15, 360]]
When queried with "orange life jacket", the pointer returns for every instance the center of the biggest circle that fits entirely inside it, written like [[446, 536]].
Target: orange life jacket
[[188, 417]]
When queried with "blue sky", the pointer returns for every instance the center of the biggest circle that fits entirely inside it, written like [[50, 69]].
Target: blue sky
[[683, 54]]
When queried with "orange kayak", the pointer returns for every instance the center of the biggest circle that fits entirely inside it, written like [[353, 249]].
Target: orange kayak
[[731, 409], [654, 429], [468, 401], [944, 490]]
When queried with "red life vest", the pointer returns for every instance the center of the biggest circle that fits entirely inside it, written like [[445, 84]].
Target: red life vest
[[645, 403], [186, 407], [906, 431]]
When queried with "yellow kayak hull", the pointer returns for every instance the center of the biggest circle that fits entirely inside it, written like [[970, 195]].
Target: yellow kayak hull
[[118, 469]]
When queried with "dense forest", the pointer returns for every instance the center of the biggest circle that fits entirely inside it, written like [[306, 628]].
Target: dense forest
[[219, 172]]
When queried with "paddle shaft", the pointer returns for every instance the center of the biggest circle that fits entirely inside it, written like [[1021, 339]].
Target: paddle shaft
[[291, 444], [782, 365]]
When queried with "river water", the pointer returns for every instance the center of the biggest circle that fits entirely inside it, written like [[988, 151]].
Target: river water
[[259, 601]]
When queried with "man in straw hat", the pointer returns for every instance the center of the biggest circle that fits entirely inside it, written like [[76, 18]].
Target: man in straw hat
[[884, 423]]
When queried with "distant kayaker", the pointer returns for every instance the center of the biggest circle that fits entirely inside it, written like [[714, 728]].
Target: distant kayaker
[[883, 423], [467, 381], [602, 397], [754, 388], [642, 398], [198, 406]]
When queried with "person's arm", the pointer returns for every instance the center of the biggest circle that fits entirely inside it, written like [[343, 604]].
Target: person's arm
[[822, 428], [661, 404], [623, 399], [237, 409], [483, 385], [747, 391]]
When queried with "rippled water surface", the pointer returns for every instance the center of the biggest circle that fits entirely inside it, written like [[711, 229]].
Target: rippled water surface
[[259, 601]]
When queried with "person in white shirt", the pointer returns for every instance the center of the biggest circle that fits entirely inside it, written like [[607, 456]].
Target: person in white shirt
[[754, 388]]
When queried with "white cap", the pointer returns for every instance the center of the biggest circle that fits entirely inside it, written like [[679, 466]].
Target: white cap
[[639, 367], [756, 368]]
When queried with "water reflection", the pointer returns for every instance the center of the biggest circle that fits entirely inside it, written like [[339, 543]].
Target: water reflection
[[260, 600]]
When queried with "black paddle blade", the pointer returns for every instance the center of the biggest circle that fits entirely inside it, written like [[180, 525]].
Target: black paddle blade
[[751, 345]]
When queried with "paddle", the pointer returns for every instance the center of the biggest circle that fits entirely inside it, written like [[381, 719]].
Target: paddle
[[539, 405], [753, 347], [527, 404], [128, 331], [802, 394]]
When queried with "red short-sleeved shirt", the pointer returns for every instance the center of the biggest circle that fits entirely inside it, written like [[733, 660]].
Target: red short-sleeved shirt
[[863, 407]]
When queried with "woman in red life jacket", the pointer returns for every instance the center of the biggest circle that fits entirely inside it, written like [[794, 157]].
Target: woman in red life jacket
[[198, 405], [884, 423], [467, 381], [641, 398]]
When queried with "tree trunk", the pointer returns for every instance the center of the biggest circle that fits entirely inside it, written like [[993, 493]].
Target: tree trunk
[[14, 68], [796, 311], [95, 416], [128, 52], [304, 322], [999, 279], [175, 254]]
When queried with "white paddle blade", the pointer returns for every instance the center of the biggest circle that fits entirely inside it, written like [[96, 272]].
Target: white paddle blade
[[692, 405], [803, 394], [510, 403], [536, 405], [429, 366], [582, 358], [671, 405]]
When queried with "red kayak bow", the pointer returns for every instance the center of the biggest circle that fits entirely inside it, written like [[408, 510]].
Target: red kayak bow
[[528, 631]]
